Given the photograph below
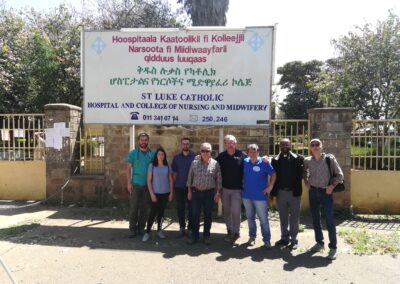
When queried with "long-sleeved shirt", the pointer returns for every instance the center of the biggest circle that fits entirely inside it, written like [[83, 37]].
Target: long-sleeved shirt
[[204, 176], [316, 172]]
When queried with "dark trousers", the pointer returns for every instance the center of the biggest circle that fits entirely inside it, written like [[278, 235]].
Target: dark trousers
[[319, 200], [157, 210], [139, 208], [181, 203], [205, 200]]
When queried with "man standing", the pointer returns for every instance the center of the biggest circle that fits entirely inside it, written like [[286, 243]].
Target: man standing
[[318, 180], [180, 170], [136, 172], [231, 163], [288, 189], [255, 193], [204, 186]]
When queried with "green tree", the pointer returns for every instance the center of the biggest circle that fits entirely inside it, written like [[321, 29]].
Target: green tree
[[296, 78], [366, 74], [206, 12]]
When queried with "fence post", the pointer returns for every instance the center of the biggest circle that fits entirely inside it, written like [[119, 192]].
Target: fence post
[[333, 127], [61, 127]]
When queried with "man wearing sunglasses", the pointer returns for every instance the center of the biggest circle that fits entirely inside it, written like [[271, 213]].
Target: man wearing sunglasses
[[317, 178], [204, 186]]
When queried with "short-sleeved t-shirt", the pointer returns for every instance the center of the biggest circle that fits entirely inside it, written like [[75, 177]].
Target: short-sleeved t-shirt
[[180, 166], [256, 178], [140, 161], [160, 179]]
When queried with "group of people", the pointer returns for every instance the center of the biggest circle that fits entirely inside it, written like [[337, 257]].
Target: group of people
[[235, 177]]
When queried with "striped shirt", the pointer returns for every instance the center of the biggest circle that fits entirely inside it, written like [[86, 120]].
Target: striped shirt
[[316, 172], [204, 176]]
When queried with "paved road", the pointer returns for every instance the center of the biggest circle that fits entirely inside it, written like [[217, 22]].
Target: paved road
[[75, 245]]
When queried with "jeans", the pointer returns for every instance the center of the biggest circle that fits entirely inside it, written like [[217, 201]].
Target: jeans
[[320, 200], [261, 208], [232, 205], [205, 200], [139, 208], [181, 203]]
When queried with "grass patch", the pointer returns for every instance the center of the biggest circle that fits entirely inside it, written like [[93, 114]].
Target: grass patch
[[18, 229], [364, 241]]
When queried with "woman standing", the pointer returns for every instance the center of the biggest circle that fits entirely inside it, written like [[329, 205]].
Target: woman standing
[[160, 184]]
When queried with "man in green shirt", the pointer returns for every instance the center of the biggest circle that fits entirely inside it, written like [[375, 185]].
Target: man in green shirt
[[136, 171]]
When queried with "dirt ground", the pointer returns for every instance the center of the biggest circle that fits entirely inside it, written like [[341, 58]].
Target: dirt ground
[[83, 245]]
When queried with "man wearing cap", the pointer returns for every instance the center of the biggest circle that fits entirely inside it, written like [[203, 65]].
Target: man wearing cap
[[204, 186], [318, 180]]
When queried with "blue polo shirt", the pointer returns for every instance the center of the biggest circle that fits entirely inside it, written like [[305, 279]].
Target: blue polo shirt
[[256, 178], [181, 165], [140, 161]]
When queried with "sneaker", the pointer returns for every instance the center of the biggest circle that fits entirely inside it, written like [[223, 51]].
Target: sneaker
[[181, 233], [292, 246], [332, 254], [267, 245], [251, 241], [161, 235], [192, 241], [146, 237], [316, 248], [207, 240], [228, 238], [281, 243]]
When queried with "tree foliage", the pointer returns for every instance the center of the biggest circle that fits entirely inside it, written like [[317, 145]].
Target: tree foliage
[[40, 52], [295, 78], [366, 74], [206, 12]]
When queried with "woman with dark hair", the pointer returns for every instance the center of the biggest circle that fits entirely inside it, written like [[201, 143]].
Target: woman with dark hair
[[160, 185]]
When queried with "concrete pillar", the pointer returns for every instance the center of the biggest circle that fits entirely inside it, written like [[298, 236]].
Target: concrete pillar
[[333, 127], [61, 126]]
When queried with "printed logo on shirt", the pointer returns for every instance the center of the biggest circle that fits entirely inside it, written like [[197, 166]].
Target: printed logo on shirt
[[256, 169]]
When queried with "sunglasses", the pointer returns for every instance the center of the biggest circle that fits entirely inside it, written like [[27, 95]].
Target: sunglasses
[[205, 151], [314, 144]]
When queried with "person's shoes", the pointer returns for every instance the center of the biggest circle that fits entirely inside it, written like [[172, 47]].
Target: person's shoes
[[316, 248], [292, 246], [251, 241], [192, 241], [228, 238], [281, 243], [235, 237], [207, 241], [267, 245], [132, 234], [332, 254], [181, 233], [146, 237], [189, 233], [160, 234]]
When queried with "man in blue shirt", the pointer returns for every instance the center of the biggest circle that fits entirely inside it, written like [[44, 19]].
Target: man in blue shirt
[[136, 172], [180, 170], [255, 193]]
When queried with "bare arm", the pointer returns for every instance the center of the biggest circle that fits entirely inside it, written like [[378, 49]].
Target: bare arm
[[129, 177]]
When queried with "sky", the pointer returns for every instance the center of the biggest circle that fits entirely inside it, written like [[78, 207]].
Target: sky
[[305, 28]]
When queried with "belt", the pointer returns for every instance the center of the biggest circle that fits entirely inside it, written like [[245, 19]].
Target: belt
[[201, 190], [286, 189], [319, 188]]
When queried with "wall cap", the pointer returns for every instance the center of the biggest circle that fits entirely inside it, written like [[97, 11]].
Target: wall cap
[[61, 107], [331, 109]]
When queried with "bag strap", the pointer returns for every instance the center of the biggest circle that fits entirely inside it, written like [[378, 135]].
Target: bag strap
[[328, 162]]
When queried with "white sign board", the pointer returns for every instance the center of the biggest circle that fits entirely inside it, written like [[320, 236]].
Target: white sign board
[[169, 76]]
